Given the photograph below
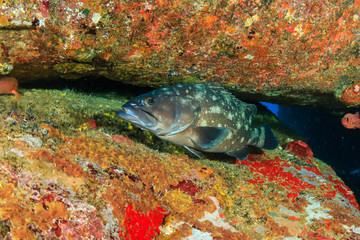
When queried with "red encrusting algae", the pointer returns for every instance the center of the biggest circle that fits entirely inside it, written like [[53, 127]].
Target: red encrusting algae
[[281, 172], [142, 226], [187, 187], [273, 170]]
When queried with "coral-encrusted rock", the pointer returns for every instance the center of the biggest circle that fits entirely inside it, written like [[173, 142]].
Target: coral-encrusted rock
[[80, 182], [263, 49]]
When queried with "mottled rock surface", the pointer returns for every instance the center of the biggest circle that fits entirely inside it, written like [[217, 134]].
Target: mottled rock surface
[[289, 52], [70, 169]]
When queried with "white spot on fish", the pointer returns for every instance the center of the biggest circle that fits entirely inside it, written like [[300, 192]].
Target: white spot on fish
[[242, 139], [214, 98], [219, 125], [183, 101], [243, 114], [230, 116], [261, 138], [198, 95], [215, 109], [246, 127]]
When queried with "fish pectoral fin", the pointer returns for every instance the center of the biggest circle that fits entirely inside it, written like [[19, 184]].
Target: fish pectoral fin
[[208, 137], [241, 153], [195, 152]]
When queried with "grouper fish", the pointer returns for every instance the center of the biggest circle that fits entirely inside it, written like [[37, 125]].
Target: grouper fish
[[199, 117]]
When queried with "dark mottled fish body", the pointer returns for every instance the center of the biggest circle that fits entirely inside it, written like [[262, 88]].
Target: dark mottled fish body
[[199, 117]]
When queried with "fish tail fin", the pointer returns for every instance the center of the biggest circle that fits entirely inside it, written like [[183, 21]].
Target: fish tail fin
[[267, 139]]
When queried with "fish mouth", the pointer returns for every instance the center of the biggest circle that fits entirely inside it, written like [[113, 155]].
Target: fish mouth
[[138, 116]]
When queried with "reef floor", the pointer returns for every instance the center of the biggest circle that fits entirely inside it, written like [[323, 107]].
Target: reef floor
[[71, 169]]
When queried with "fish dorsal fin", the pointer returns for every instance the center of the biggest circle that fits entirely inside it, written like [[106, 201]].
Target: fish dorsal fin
[[208, 137], [223, 91], [250, 109]]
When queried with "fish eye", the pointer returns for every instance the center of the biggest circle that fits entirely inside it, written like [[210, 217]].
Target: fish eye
[[149, 100]]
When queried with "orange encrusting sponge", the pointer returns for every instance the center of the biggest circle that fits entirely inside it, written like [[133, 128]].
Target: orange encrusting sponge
[[9, 85]]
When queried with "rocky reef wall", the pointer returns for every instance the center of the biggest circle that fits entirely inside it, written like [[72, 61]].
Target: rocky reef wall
[[289, 52]]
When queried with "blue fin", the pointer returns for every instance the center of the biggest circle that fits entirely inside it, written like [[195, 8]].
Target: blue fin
[[270, 142], [241, 153], [208, 137]]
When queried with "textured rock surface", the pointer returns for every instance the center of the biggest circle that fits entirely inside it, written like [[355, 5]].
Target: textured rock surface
[[291, 52], [67, 173]]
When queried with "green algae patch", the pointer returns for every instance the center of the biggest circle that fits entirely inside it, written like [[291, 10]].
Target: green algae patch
[[273, 214]]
